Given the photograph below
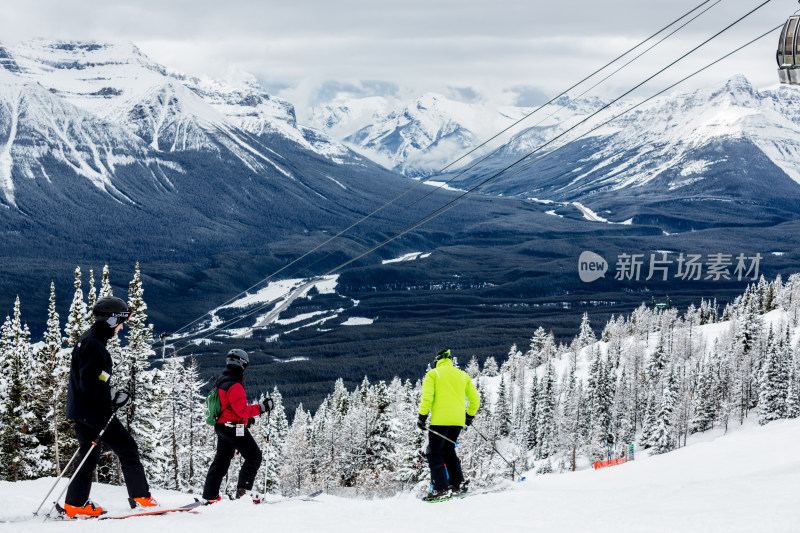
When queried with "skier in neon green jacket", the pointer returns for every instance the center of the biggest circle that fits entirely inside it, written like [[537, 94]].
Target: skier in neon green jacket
[[449, 395]]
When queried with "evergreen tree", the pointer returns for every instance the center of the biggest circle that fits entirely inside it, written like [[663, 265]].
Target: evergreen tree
[[52, 377], [773, 385], [297, 460], [76, 322], [546, 423], [649, 420], [143, 384], [473, 370], [272, 430], [663, 439], [531, 412], [537, 352], [502, 411], [490, 368], [793, 395], [92, 296], [586, 336], [21, 454], [704, 404]]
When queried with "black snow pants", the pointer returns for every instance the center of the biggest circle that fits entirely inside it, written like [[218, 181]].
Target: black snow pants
[[442, 459], [228, 444], [121, 443]]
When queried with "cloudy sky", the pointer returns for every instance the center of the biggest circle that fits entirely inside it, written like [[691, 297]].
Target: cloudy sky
[[509, 51]]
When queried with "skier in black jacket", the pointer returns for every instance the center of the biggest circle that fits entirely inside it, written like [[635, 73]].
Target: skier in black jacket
[[90, 404]]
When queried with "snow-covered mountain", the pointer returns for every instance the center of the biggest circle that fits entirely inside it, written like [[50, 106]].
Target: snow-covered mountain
[[709, 157], [107, 154], [117, 82], [731, 143], [414, 138]]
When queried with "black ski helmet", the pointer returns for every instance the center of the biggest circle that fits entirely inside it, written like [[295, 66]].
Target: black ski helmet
[[237, 357], [111, 306], [443, 354]]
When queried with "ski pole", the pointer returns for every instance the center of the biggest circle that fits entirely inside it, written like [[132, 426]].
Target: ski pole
[[74, 455], [513, 468], [95, 443], [440, 435]]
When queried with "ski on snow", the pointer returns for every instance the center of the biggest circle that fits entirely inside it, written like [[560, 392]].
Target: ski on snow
[[188, 508]]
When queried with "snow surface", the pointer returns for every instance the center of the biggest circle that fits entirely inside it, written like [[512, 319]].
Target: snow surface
[[413, 256], [745, 481], [358, 321]]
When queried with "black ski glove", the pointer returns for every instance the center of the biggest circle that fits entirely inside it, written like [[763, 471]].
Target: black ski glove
[[468, 421], [422, 423], [120, 398], [250, 422], [267, 405]]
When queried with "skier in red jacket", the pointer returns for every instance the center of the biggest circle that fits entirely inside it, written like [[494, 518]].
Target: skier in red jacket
[[231, 429]]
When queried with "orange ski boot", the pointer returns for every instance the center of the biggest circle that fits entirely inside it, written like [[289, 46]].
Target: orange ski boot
[[89, 509], [144, 501]]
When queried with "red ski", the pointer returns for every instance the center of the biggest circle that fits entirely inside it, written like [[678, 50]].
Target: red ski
[[190, 508]]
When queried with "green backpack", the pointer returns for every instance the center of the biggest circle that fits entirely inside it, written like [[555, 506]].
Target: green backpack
[[212, 407]]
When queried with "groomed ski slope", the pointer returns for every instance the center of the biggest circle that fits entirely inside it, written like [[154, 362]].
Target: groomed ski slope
[[746, 481]]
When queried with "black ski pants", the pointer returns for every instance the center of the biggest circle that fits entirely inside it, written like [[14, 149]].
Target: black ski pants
[[442, 459], [228, 444], [121, 443]]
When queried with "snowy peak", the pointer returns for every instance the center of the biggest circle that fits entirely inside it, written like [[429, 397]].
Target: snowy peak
[[417, 137], [114, 103]]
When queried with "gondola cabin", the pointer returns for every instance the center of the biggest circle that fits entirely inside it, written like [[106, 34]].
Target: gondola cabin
[[789, 52]]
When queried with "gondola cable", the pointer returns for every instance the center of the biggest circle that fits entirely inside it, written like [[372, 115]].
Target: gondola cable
[[450, 204], [371, 214]]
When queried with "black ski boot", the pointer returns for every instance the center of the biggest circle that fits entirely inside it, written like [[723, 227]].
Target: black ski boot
[[459, 489], [436, 495]]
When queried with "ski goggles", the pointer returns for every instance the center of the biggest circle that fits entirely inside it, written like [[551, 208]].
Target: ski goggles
[[118, 318]]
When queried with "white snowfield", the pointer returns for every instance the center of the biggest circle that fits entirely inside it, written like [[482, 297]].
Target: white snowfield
[[745, 481]]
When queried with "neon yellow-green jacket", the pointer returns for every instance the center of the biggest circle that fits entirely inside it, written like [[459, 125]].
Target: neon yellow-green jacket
[[445, 392]]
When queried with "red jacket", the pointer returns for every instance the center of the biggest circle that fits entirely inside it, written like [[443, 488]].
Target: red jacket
[[234, 404]]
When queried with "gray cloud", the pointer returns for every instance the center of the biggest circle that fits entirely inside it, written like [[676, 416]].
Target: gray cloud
[[481, 47]]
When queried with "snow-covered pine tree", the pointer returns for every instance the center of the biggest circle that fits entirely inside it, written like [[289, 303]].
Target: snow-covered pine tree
[[76, 322], [649, 420], [53, 377], [773, 384], [658, 360], [105, 284], [144, 384], [490, 368], [622, 413], [793, 394], [172, 411], [272, 430], [198, 443], [21, 454], [297, 457], [586, 335], [546, 422], [536, 353], [473, 369], [704, 402], [531, 413], [91, 297], [410, 466], [502, 410], [376, 474], [663, 439]]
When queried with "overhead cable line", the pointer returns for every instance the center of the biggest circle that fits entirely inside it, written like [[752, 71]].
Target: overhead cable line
[[440, 171], [450, 204]]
